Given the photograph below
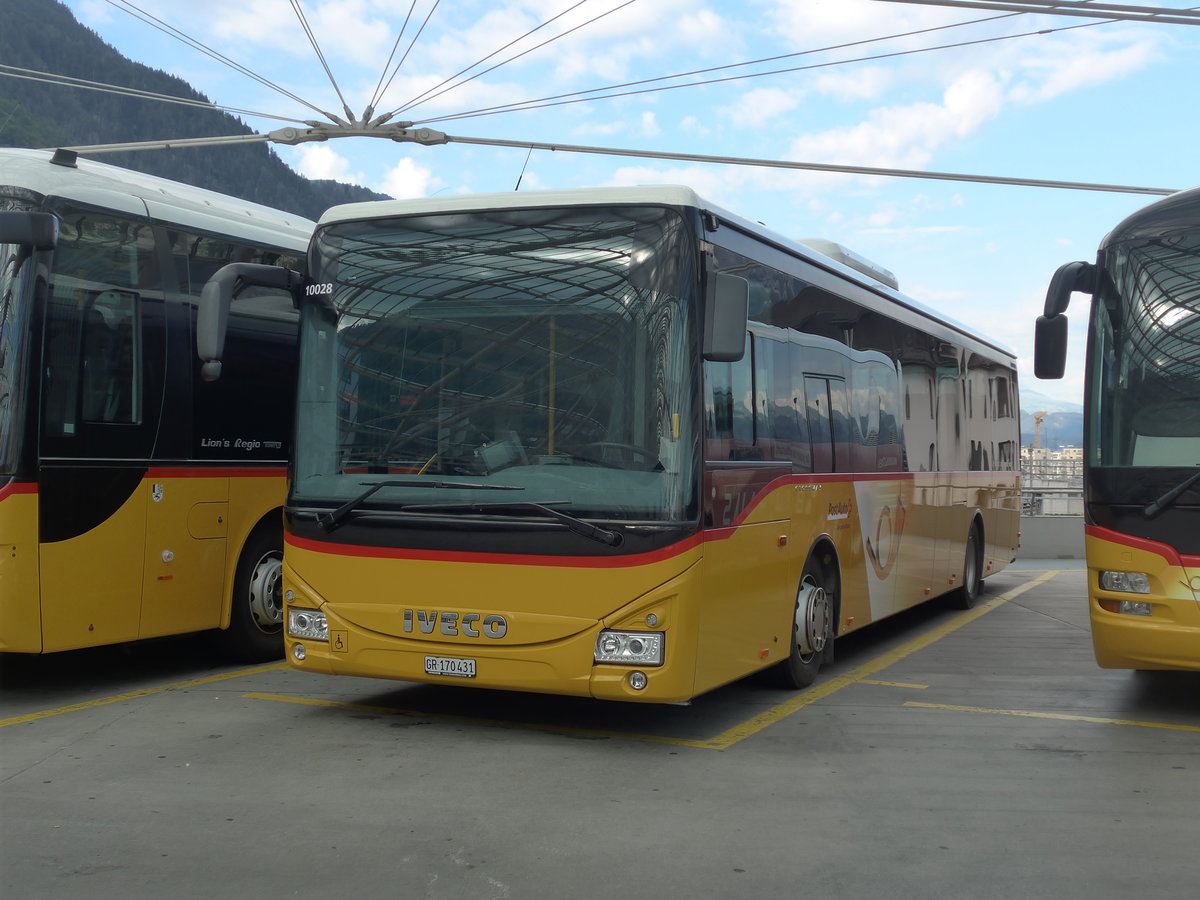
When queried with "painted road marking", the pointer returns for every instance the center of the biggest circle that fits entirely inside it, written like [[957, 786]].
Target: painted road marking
[[1029, 714], [144, 692], [739, 732], [896, 684]]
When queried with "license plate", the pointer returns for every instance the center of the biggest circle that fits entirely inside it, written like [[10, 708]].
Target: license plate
[[449, 665]]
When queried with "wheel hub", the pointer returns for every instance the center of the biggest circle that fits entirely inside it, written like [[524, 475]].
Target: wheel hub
[[812, 617], [266, 592]]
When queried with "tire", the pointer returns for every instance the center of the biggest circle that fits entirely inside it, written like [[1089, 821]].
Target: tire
[[812, 627], [965, 596], [255, 632]]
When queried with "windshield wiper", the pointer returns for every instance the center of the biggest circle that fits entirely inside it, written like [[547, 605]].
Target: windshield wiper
[[331, 520], [573, 523], [1153, 509]]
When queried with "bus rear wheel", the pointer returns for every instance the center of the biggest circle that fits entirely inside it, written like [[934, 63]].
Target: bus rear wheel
[[812, 628], [255, 632], [972, 579]]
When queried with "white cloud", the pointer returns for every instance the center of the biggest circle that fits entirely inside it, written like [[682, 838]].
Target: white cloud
[[757, 108], [906, 136], [408, 180], [1052, 75], [321, 162]]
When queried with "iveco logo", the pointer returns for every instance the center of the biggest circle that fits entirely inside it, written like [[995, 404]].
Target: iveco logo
[[451, 623]]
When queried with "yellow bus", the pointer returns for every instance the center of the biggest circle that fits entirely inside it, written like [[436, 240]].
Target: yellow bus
[[619, 443], [136, 500], [1141, 432]]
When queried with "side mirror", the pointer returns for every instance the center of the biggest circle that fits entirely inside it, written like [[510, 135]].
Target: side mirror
[[1050, 347], [35, 230], [212, 315], [1050, 332], [726, 308]]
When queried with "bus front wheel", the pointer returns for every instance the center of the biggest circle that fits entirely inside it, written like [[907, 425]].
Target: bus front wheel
[[812, 628], [256, 616]]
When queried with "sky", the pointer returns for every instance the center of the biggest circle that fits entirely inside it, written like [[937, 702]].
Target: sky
[[845, 82]]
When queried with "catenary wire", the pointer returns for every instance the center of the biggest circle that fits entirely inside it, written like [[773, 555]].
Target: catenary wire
[[546, 103], [557, 37], [312, 39], [133, 93], [411, 44], [130, 9], [377, 95]]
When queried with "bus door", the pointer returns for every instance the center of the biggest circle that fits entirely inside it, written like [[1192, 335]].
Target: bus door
[[103, 356]]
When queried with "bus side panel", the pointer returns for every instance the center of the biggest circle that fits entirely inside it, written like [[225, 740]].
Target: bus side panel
[[20, 609], [255, 495], [186, 524], [1169, 636], [749, 575], [91, 583]]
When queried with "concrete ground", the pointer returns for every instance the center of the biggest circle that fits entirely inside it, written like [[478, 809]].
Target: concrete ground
[[945, 755]]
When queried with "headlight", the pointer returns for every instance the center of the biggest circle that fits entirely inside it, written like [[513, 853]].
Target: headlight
[[642, 648], [1126, 582], [307, 623]]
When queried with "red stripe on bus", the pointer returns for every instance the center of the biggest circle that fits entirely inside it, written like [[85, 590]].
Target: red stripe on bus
[[18, 488], [504, 559], [1166, 551], [216, 472]]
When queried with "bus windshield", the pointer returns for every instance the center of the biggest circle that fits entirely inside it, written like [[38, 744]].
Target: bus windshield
[[1146, 340], [496, 361]]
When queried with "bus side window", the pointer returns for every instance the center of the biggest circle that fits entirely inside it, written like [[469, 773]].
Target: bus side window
[[820, 427], [110, 357], [728, 409], [92, 362], [62, 364]]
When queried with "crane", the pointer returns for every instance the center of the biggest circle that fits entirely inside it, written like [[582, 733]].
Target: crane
[[1037, 428]]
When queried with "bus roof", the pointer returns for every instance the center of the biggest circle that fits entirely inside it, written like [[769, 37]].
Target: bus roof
[[99, 184], [1171, 213]]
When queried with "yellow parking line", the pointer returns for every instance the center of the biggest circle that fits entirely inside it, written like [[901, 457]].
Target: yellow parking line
[[144, 692], [861, 673], [896, 684], [1029, 714], [741, 731]]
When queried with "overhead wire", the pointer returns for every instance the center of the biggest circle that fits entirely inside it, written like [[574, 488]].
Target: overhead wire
[[557, 37], [133, 93], [486, 58], [141, 15], [411, 44], [691, 157], [312, 39], [549, 102], [377, 94]]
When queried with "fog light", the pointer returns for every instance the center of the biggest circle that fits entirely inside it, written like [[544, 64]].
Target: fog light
[[1126, 582], [298, 652], [637, 680], [1134, 608], [636, 648], [307, 623]]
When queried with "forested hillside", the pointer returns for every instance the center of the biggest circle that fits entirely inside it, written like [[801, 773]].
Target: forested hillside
[[43, 36]]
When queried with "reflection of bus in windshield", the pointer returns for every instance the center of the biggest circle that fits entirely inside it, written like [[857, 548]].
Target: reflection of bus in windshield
[[620, 444], [1141, 433], [136, 500]]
